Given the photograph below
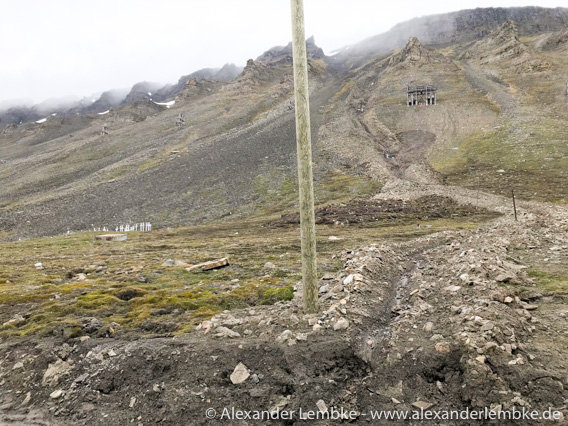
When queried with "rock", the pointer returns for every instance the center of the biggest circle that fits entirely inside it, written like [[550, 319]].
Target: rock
[[464, 277], [443, 347], [91, 325], [27, 399], [341, 324], [225, 332], [422, 405], [504, 277], [132, 402], [280, 404], [284, 336], [333, 238], [312, 321], [489, 325], [531, 307], [327, 277], [357, 277], [111, 237], [169, 262], [481, 359], [508, 300], [269, 265], [240, 374], [316, 328], [56, 394], [111, 353], [81, 277], [321, 406], [39, 265], [18, 365], [16, 318], [84, 338], [323, 289], [301, 336], [452, 288], [428, 326], [348, 280], [81, 378], [55, 371]]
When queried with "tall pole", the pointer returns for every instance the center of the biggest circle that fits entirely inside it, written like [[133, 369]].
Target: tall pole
[[304, 148], [514, 203]]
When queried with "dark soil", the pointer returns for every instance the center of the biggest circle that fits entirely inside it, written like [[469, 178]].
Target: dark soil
[[387, 211]]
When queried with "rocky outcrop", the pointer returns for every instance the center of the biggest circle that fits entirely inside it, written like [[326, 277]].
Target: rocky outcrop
[[462, 26], [556, 41], [502, 44], [283, 54], [414, 54]]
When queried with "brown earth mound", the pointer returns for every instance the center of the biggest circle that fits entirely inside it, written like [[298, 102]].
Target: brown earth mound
[[365, 210]]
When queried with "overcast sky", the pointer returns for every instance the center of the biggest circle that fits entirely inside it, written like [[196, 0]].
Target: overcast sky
[[59, 48]]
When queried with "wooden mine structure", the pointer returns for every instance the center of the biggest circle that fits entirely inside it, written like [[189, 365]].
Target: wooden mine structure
[[180, 121], [424, 94]]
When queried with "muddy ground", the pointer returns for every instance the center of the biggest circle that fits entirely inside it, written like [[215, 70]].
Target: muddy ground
[[365, 211], [447, 321]]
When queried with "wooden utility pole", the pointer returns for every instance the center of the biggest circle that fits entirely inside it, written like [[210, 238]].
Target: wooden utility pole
[[304, 147], [514, 204]]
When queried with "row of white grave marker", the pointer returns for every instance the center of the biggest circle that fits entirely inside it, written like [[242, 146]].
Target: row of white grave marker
[[142, 227]]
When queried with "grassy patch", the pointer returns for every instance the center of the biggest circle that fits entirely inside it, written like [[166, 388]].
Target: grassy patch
[[549, 281], [343, 90], [126, 282], [530, 158]]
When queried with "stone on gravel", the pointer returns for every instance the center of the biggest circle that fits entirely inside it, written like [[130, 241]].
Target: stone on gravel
[[225, 332], [321, 406], [348, 280], [341, 324], [55, 371], [269, 265], [56, 394], [27, 399], [503, 277], [443, 347], [284, 336], [240, 374], [422, 405]]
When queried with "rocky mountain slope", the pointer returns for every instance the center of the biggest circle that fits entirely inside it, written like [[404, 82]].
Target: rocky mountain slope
[[236, 146], [113, 98]]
